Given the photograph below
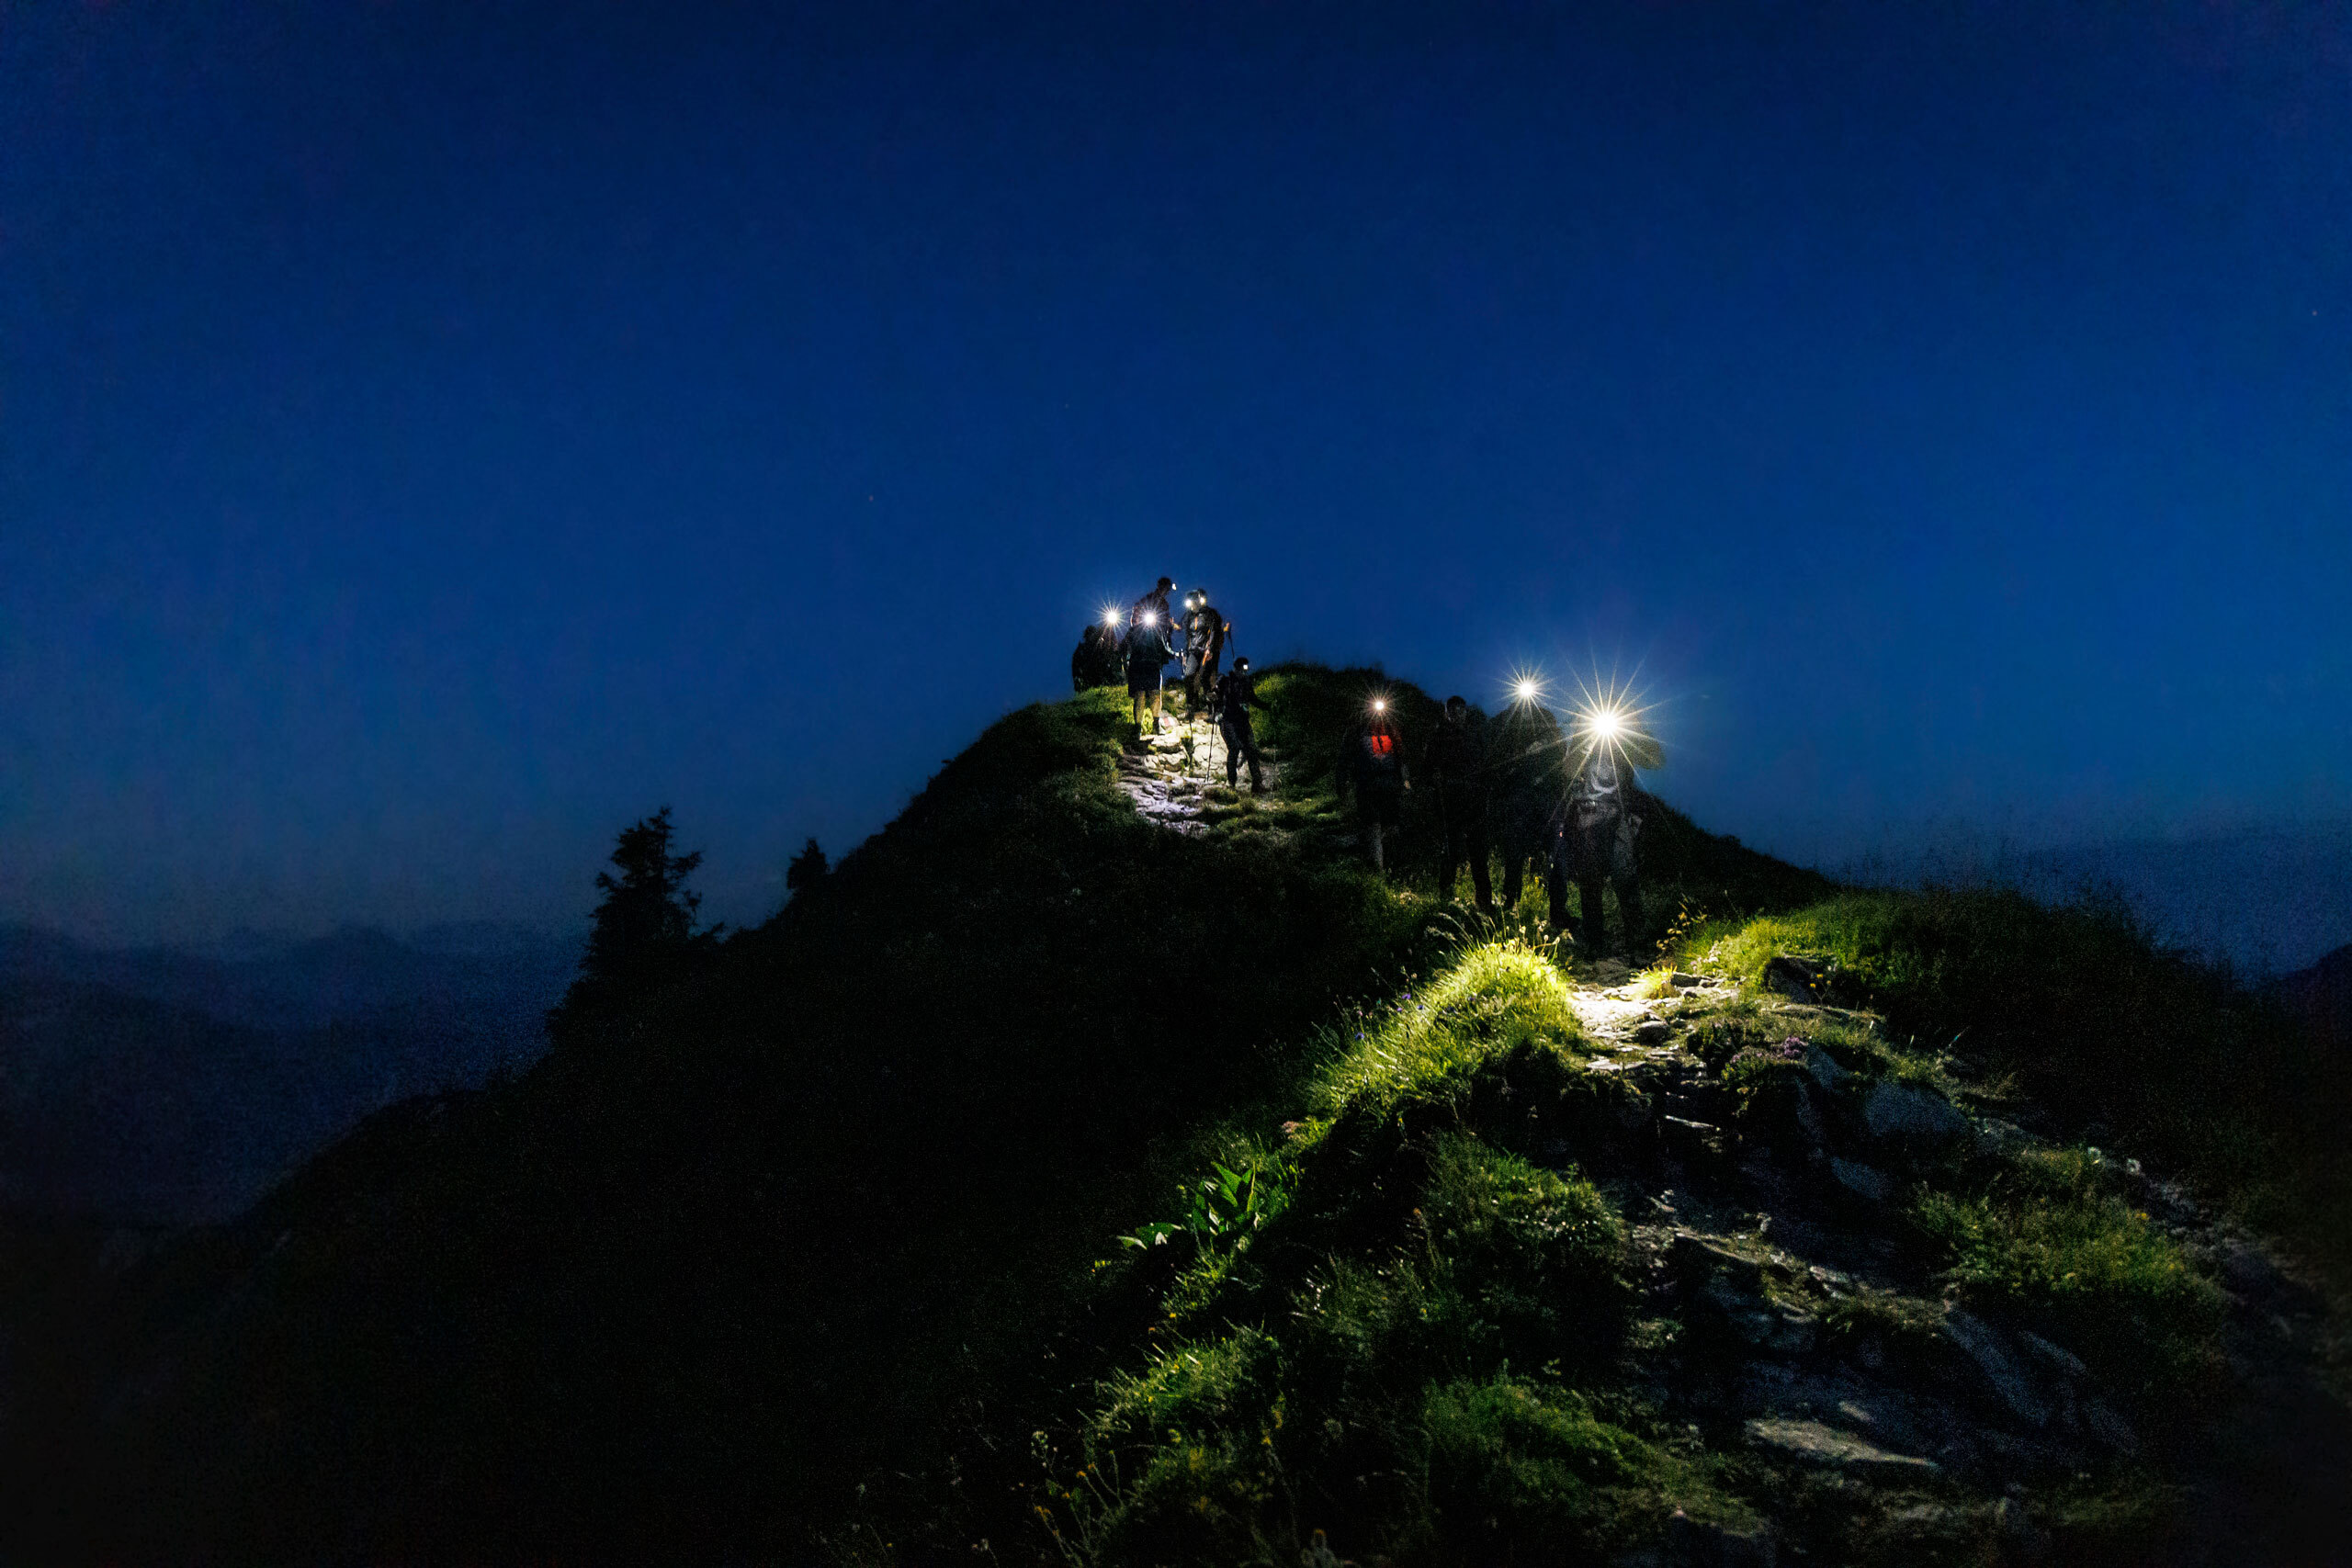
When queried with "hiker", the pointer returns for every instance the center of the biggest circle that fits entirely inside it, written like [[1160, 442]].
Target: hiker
[[1205, 630], [1237, 694], [1455, 763], [1372, 758], [1154, 603], [1148, 654], [1602, 824], [1091, 662], [1524, 787]]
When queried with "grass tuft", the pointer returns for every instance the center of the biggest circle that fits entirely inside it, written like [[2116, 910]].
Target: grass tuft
[[2049, 1239]]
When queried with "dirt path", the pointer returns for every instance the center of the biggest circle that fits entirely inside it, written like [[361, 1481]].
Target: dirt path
[[1168, 785]]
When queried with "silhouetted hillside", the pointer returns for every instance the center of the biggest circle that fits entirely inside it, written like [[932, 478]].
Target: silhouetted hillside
[[148, 1086], [2321, 998]]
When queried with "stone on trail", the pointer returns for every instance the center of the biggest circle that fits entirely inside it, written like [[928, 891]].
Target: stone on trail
[[1800, 979], [1823, 1067], [1681, 981], [2055, 1355], [1994, 1136], [1696, 1545], [1914, 1117], [2109, 1428], [1983, 1344], [1827, 1448], [1810, 1121], [1698, 1257], [1863, 1180]]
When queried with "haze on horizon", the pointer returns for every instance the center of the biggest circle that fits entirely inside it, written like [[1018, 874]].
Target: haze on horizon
[[433, 436]]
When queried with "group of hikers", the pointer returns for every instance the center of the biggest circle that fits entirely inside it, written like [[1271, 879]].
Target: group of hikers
[[1562, 800], [1140, 653]]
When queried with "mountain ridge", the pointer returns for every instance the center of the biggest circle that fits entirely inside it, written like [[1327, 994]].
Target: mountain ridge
[[796, 1252]]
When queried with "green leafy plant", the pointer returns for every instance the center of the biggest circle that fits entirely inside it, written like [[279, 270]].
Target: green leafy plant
[[1225, 1206]]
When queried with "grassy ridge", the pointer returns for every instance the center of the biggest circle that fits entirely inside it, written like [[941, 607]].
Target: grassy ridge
[[1391, 1354], [749, 1241], [1411, 1331], [2084, 1015]]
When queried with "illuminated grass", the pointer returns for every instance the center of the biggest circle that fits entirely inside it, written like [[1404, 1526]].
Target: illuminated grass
[[1498, 996], [1392, 1359]]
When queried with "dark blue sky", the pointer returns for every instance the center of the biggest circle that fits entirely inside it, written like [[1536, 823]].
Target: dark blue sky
[[431, 436]]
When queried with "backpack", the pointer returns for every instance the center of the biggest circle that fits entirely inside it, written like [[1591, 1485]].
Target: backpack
[[1146, 646]]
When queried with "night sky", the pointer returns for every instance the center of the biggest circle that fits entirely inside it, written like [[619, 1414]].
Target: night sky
[[433, 435]]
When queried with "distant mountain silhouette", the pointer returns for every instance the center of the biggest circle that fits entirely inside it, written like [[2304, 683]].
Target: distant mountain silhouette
[[152, 1086], [2268, 900], [2322, 996]]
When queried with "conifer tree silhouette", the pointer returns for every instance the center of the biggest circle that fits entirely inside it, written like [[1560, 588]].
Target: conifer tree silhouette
[[806, 868], [645, 927]]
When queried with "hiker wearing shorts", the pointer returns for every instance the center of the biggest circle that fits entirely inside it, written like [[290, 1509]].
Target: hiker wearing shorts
[[1148, 654]]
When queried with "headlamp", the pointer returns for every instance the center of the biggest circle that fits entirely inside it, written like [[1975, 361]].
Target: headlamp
[[1525, 691], [1605, 723], [1380, 704]]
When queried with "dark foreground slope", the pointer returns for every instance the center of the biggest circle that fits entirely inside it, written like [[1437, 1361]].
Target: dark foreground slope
[[2321, 997], [745, 1244], [740, 1242]]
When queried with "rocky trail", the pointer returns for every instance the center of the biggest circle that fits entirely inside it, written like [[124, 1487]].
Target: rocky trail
[[1797, 1315], [1174, 776], [1808, 1327]]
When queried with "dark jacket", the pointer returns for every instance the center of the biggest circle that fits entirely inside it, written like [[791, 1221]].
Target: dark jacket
[[1204, 635], [1372, 757], [1147, 646], [1455, 760], [1237, 694], [1525, 749]]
